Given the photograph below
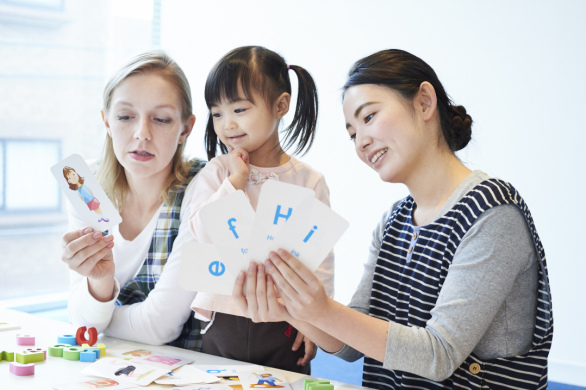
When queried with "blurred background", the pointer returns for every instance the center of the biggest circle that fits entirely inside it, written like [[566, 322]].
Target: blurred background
[[518, 68]]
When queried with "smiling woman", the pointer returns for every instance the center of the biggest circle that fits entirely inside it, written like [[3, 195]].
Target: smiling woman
[[125, 282]]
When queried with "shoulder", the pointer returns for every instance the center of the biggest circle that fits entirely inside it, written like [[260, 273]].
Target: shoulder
[[306, 172]]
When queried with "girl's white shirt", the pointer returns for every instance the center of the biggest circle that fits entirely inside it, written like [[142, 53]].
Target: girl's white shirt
[[141, 322]]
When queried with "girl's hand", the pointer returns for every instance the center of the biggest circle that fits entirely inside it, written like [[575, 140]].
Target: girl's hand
[[239, 167], [302, 292], [88, 253], [258, 299], [310, 349]]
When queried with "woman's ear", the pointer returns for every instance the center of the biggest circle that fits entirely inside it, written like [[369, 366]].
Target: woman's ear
[[426, 101], [282, 105], [106, 123], [187, 127]]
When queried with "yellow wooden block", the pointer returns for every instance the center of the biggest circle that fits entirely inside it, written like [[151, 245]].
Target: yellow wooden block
[[99, 346]]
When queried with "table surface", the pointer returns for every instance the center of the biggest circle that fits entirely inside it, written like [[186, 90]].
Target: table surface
[[55, 371]]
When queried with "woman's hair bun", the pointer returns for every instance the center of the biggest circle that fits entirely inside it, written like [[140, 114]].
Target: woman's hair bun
[[461, 130]]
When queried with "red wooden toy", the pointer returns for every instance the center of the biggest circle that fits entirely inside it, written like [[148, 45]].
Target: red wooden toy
[[80, 336]]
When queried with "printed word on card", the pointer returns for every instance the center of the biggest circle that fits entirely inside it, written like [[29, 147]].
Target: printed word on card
[[277, 203], [88, 199]]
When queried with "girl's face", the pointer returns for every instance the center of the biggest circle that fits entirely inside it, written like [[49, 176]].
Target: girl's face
[[72, 177], [145, 124], [387, 133], [251, 126]]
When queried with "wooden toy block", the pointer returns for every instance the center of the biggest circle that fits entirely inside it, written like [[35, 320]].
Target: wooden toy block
[[8, 356], [96, 351], [67, 339], [32, 357], [37, 350], [307, 383], [8, 326], [57, 350], [321, 386], [22, 369], [99, 346], [72, 353], [80, 336], [25, 339], [87, 357]]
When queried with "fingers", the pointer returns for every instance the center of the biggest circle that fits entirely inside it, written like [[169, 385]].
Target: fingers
[[88, 265], [251, 291], [304, 273], [297, 342], [86, 251], [286, 291], [238, 294], [261, 294]]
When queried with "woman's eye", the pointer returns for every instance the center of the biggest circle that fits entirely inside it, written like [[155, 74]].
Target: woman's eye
[[368, 118], [353, 137], [123, 117], [164, 121]]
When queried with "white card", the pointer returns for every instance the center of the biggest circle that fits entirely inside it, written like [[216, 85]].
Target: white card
[[151, 358], [85, 193], [187, 375], [228, 220], [311, 233], [277, 203], [101, 383], [264, 380], [124, 371], [210, 268]]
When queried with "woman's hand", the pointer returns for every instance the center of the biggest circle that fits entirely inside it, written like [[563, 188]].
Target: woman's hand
[[239, 167], [88, 253], [258, 299], [310, 349], [302, 292]]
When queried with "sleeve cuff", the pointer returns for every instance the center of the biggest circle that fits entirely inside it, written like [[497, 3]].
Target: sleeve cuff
[[93, 310]]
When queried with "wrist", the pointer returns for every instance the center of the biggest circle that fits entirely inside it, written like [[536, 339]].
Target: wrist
[[101, 289], [238, 180]]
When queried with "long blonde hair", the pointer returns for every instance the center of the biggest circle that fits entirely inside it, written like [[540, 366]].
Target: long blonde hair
[[111, 174]]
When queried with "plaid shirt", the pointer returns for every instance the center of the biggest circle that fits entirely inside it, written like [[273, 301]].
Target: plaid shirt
[[166, 230]]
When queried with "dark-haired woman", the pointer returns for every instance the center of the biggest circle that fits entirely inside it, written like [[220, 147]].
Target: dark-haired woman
[[455, 292]]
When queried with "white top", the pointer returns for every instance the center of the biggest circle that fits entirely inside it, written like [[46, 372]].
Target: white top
[[213, 183], [160, 318]]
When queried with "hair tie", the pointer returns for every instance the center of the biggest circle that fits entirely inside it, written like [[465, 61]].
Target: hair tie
[[288, 67]]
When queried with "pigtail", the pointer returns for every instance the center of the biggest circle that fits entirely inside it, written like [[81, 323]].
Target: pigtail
[[302, 128], [211, 140]]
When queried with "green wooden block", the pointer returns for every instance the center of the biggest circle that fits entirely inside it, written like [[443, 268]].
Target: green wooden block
[[26, 358], [72, 353], [321, 386], [312, 382], [57, 350], [8, 356]]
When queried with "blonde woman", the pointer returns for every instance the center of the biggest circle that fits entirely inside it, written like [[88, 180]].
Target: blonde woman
[[125, 283]]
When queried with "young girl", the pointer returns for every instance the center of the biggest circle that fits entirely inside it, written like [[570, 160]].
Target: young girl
[[76, 183], [455, 292], [248, 92]]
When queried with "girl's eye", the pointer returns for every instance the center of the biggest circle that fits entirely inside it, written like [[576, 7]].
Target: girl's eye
[[239, 110], [368, 118], [216, 115]]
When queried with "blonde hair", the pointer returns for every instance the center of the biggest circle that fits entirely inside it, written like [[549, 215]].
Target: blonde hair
[[111, 174]]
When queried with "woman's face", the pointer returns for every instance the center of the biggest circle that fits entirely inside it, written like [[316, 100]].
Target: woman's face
[[387, 133], [145, 124]]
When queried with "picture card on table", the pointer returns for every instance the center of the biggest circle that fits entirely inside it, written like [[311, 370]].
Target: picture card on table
[[151, 358], [85, 194], [187, 375], [124, 371], [210, 268], [264, 380], [311, 233], [228, 220], [102, 383], [277, 203]]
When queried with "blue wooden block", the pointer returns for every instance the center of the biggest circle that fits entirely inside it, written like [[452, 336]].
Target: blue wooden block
[[67, 339], [87, 356], [94, 350]]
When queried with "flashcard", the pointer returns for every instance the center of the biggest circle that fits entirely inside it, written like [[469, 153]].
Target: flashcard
[[125, 371], [228, 220], [277, 203], [85, 194], [210, 268], [264, 380], [228, 371], [152, 358], [101, 383], [311, 234], [187, 375], [214, 386]]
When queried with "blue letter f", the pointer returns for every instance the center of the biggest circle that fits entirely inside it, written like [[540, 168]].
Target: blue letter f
[[232, 227]]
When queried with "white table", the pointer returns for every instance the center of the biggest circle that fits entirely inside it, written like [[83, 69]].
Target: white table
[[55, 370]]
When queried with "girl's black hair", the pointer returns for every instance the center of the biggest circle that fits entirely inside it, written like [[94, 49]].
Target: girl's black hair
[[403, 73], [259, 69]]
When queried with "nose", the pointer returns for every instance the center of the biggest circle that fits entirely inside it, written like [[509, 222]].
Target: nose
[[230, 124], [143, 131], [363, 140]]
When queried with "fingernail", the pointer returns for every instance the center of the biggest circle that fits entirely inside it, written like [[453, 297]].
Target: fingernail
[[240, 275], [268, 265], [282, 252], [261, 268], [97, 235], [88, 231], [251, 266], [109, 238], [110, 245]]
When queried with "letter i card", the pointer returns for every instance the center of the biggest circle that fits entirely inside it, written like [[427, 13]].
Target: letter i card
[[88, 199]]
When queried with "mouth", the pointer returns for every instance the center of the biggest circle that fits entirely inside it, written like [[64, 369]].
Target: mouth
[[141, 153], [373, 159], [237, 137]]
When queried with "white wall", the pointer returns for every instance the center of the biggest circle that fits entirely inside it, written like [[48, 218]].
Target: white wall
[[518, 67]]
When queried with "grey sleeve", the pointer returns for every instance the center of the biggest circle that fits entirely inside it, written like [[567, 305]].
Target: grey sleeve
[[361, 299], [490, 257]]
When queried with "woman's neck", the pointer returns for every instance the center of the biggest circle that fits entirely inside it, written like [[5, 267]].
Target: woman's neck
[[144, 193], [434, 185]]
